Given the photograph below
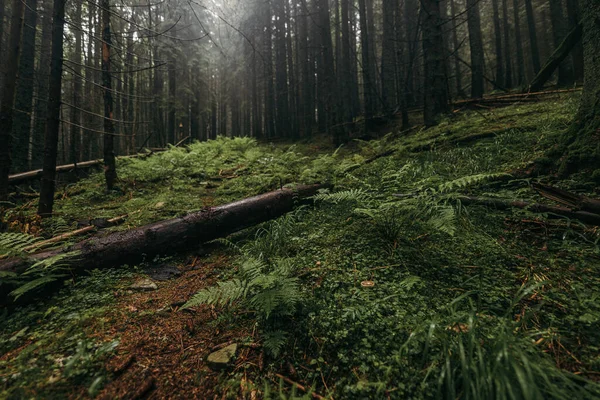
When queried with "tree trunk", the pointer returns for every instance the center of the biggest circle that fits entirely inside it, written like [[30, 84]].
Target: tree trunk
[[368, 80], [456, 51], [110, 167], [436, 94], [53, 114], [559, 33], [519, 45], [388, 56], [77, 88], [345, 72], [533, 42], [555, 60], [573, 15], [168, 236], [24, 97], [508, 76], [500, 76], [476, 42], [11, 66], [281, 69], [583, 151]]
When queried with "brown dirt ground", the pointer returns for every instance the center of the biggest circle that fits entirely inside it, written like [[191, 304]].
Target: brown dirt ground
[[162, 349]]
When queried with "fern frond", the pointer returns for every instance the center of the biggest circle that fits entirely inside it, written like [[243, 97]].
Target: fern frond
[[443, 219], [468, 181], [225, 293], [274, 341], [34, 284], [352, 195], [14, 244]]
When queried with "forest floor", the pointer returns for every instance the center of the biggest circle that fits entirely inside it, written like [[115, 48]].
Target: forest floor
[[386, 286]]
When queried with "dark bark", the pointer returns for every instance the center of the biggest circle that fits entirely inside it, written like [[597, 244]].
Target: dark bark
[[555, 60], [268, 73], [2, 13], [500, 74], [24, 95], [583, 151], [508, 73], [172, 235], [307, 73], [456, 51], [559, 33], [53, 114], [533, 41], [110, 167], [436, 93], [388, 56], [573, 15], [368, 79], [476, 43], [11, 66], [281, 69], [519, 44], [345, 70], [77, 88]]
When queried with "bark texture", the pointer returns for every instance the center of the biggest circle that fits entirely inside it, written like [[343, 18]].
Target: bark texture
[[175, 234]]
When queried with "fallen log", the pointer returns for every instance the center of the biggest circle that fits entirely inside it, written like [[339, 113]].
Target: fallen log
[[583, 216], [35, 174], [572, 200], [561, 52], [165, 237]]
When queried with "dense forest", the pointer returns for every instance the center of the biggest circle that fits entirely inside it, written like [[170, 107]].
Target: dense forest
[[326, 199]]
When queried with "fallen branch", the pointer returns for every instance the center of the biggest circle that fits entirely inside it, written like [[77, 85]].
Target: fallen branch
[[299, 386], [78, 232], [165, 237], [561, 52], [583, 216], [31, 175], [572, 200]]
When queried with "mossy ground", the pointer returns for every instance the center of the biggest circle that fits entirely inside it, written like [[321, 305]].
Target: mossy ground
[[439, 275]]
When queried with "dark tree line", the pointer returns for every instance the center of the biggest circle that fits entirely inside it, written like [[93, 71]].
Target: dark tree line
[[93, 79]]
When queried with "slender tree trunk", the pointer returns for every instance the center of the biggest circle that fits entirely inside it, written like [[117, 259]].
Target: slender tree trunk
[[53, 115], [110, 167], [11, 67], [476, 42], [347, 58], [559, 33], [436, 95], [2, 13], [368, 79], [577, 55], [24, 97], [77, 87], [508, 76], [533, 41], [281, 69], [269, 84], [388, 56], [519, 45], [457, 70], [500, 75]]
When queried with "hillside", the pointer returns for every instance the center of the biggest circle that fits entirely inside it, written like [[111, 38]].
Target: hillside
[[388, 285]]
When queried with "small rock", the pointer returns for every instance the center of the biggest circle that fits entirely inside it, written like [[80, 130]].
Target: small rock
[[221, 359], [159, 205], [163, 272], [144, 285]]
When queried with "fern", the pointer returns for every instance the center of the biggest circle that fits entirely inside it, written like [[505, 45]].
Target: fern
[[470, 180], [35, 284], [225, 293], [347, 196], [14, 244], [273, 341]]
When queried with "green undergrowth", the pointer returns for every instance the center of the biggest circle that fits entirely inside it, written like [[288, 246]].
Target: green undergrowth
[[49, 347], [388, 286]]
